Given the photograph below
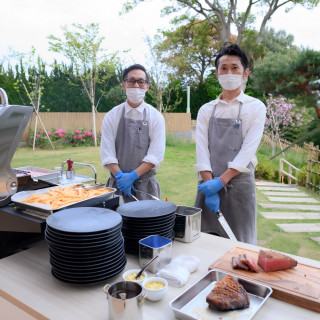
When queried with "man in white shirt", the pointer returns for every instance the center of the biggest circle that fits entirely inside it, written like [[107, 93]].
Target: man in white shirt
[[133, 138], [229, 130]]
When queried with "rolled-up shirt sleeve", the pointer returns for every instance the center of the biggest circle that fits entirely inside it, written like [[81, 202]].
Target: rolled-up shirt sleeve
[[202, 148], [157, 134], [108, 137]]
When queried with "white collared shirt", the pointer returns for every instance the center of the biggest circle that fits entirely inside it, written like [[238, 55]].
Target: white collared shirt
[[252, 114], [157, 132]]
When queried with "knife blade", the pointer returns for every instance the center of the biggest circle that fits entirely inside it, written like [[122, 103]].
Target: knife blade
[[225, 226]]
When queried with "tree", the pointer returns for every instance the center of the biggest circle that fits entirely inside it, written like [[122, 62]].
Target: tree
[[281, 116], [222, 15], [294, 73], [190, 49], [83, 47]]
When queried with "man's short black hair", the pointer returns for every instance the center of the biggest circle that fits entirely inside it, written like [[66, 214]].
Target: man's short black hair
[[232, 50], [134, 67]]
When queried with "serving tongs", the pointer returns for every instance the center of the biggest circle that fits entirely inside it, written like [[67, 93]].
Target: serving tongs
[[88, 186], [142, 192]]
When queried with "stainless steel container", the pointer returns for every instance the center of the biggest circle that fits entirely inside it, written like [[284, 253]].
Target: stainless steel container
[[150, 247], [125, 300], [187, 227]]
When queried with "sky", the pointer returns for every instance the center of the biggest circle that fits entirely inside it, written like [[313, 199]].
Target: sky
[[27, 23]]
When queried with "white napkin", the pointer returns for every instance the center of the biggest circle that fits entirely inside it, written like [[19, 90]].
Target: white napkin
[[177, 272]]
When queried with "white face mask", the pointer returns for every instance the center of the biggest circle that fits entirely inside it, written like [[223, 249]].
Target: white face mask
[[135, 95], [230, 81]]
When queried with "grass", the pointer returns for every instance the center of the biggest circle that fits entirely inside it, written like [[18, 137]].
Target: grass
[[178, 181]]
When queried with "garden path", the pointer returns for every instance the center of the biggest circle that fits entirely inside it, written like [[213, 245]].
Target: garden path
[[281, 197]]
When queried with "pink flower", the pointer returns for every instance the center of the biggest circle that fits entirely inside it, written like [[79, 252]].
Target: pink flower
[[38, 135], [49, 133], [41, 131], [89, 133], [60, 135], [64, 131], [80, 136], [76, 131], [74, 137]]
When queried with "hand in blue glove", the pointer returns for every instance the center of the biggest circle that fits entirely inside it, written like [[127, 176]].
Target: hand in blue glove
[[118, 175], [213, 202], [125, 182], [210, 187]]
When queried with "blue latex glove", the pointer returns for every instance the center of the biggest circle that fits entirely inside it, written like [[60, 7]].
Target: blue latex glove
[[125, 182], [213, 202], [118, 175], [210, 187]]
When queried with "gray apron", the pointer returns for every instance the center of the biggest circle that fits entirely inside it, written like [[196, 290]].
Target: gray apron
[[132, 144], [238, 197]]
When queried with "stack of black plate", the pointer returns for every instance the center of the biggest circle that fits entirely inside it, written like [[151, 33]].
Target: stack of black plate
[[86, 245], [144, 218]]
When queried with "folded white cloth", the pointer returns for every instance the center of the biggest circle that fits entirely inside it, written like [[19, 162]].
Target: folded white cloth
[[178, 271]]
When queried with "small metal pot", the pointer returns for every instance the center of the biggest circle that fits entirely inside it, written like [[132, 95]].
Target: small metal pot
[[125, 300]]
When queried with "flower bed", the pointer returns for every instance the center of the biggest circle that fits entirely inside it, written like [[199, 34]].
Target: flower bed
[[62, 137]]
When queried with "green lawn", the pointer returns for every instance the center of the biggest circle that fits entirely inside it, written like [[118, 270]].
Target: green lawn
[[178, 182]]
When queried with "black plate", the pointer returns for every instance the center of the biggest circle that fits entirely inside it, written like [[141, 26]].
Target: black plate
[[84, 220], [87, 263], [86, 256], [81, 244], [149, 221], [155, 228], [89, 251], [146, 209], [84, 235], [89, 280], [85, 269]]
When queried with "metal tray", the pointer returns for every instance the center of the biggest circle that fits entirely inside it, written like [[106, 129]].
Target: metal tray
[[20, 196], [192, 305], [40, 173]]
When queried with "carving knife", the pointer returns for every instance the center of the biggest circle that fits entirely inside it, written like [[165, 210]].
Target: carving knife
[[225, 226]]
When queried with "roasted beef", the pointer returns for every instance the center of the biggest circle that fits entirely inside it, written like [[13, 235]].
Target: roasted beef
[[228, 294], [244, 261], [274, 261]]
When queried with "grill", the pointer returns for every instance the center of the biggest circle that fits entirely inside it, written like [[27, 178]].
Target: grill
[[22, 227]]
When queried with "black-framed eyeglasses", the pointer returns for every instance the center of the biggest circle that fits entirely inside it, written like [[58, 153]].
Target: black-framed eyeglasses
[[140, 82]]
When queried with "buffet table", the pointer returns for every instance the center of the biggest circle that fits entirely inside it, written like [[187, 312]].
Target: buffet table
[[29, 291]]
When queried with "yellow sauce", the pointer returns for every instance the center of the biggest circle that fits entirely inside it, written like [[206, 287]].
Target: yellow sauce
[[154, 285], [132, 277]]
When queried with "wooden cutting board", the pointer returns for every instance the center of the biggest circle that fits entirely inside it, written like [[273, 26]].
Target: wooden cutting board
[[299, 286]]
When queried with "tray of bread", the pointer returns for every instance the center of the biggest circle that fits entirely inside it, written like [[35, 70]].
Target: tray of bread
[[49, 200], [220, 296]]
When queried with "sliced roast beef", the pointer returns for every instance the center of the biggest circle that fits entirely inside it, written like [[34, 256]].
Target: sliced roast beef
[[250, 263], [237, 264], [228, 294], [274, 261], [244, 261]]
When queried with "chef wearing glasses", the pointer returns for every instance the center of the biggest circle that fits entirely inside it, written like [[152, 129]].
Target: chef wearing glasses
[[133, 139]]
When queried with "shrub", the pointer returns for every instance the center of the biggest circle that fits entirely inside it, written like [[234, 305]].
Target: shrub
[[266, 170], [65, 138]]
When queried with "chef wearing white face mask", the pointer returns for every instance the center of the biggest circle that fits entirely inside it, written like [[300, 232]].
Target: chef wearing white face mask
[[229, 130], [133, 139]]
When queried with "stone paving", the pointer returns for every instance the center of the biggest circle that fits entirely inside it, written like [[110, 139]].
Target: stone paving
[[285, 193], [299, 227], [288, 199], [283, 197], [291, 215]]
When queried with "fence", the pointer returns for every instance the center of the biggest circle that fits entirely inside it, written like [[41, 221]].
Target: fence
[[283, 173], [175, 122], [313, 168]]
